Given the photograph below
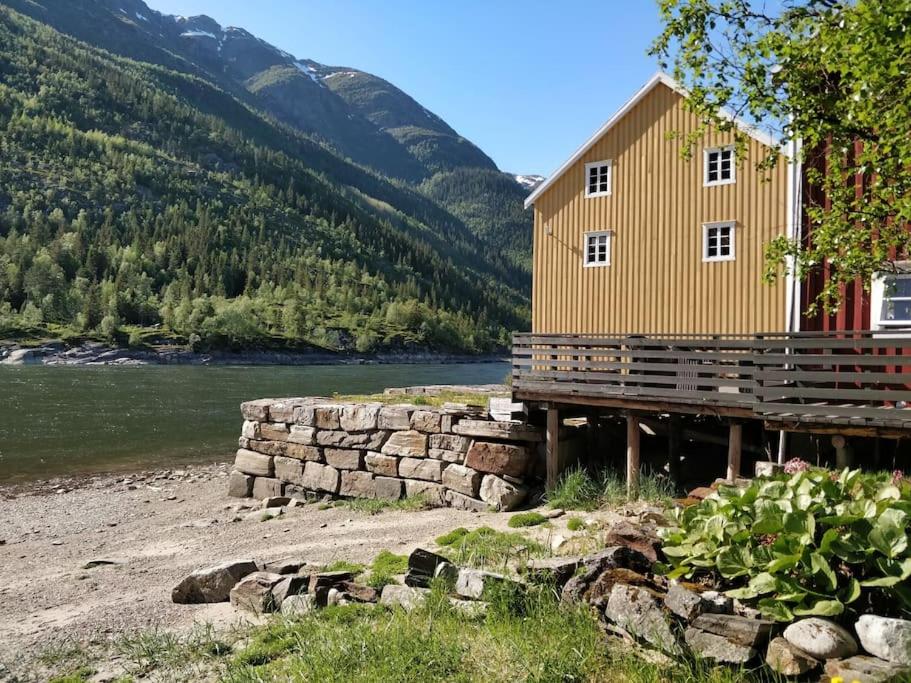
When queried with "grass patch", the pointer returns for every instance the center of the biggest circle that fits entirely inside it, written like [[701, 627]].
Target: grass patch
[[143, 652], [580, 490], [375, 507], [386, 565], [486, 548], [474, 399], [344, 566], [80, 675], [575, 524], [523, 519]]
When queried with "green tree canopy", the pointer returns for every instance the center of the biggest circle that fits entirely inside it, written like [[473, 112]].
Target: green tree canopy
[[832, 75]]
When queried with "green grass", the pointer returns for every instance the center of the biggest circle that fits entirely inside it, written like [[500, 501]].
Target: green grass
[[375, 507], [575, 524], [580, 490], [80, 675], [386, 565], [486, 548], [344, 566], [476, 399], [143, 652], [523, 519]]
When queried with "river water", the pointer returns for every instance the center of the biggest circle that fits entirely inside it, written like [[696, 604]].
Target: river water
[[73, 420]]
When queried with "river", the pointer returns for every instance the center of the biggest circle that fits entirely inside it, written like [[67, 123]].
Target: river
[[62, 421]]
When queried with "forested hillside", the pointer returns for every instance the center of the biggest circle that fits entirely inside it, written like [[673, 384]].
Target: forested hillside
[[136, 195]]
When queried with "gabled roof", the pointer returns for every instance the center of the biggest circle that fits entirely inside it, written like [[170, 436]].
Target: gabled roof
[[659, 78]]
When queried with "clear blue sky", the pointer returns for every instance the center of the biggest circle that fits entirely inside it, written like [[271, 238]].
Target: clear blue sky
[[527, 81]]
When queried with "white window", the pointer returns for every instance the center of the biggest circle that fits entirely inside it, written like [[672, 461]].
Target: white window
[[597, 248], [597, 179], [719, 165], [718, 241], [890, 299]]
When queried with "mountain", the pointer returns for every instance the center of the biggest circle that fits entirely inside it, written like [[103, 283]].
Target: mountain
[[529, 182], [149, 184]]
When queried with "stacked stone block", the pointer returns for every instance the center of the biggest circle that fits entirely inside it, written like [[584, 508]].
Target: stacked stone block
[[452, 455]]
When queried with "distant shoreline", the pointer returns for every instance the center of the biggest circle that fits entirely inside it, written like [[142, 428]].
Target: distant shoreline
[[58, 353]]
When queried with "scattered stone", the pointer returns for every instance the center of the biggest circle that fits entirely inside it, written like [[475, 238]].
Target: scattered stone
[[386, 465], [410, 444], [636, 610], [257, 464], [553, 514], [788, 660], [448, 572], [356, 592], [462, 479], [866, 669], [767, 468], [265, 515], [717, 648], [498, 458], [888, 639], [276, 501], [298, 605], [328, 579], [821, 638], [500, 494], [287, 587], [714, 602], [421, 468], [555, 571], [599, 591], [240, 485], [212, 584], [474, 609], [460, 501], [749, 632], [475, 583], [268, 487], [636, 537], [283, 566], [683, 602], [254, 592], [403, 596], [91, 564], [593, 566]]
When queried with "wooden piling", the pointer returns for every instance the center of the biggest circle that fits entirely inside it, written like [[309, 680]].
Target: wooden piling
[[632, 456], [553, 448], [735, 448]]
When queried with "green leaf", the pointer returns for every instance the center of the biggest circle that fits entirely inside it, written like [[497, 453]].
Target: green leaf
[[851, 592], [821, 608], [774, 609], [888, 535], [734, 561], [761, 584], [782, 562], [820, 566]]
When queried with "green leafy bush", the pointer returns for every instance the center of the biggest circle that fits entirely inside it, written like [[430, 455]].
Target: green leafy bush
[[812, 543]]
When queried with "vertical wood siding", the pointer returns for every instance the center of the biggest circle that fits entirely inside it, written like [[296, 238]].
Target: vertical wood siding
[[657, 281]]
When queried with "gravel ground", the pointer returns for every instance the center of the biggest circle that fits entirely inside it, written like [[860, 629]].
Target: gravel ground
[[155, 528]]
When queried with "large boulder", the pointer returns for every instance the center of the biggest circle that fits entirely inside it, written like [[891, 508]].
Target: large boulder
[[888, 639], [821, 638], [717, 648], [212, 584], [637, 611], [500, 494], [254, 592], [502, 459], [788, 660]]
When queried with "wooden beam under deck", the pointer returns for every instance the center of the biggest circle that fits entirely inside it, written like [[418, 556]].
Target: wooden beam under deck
[[627, 404], [844, 430]]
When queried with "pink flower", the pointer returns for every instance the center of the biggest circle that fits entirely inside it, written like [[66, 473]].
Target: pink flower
[[897, 477], [795, 465]]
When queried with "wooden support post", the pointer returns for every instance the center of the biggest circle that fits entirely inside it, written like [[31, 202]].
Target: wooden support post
[[553, 448], [735, 447], [632, 456], [673, 450]]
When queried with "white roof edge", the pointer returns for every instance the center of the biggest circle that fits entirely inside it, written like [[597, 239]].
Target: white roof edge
[[658, 77]]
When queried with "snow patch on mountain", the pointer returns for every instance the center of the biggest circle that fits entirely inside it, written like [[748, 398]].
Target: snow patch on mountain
[[198, 34], [529, 182], [310, 72]]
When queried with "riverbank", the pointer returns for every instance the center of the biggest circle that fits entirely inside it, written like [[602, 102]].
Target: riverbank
[[88, 567], [97, 353]]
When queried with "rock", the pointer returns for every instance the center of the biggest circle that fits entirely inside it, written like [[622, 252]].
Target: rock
[[249, 462], [287, 410], [263, 515], [357, 485], [272, 431], [470, 608], [446, 456], [867, 670], [422, 565], [427, 421], [327, 416], [343, 459], [328, 579], [321, 478], [509, 431], [386, 465], [717, 648], [448, 572], [250, 430], [289, 470], [256, 410], [714, 602], [749, 632], [434, 494], [462, 502], [821, 638], [405, 597], [421, 468], [498, 458], [283, 566], [357, 593], [254, 592], [288, 587], [361, 417], [784, 658], [91, 564], [462, 479], [268, 447], [599, 591], [554, 571], [553, 514], [450, 442], [593, 566], [500, 494], [476, 583], [888, 639], [409, 444], [701, 492], [636, 610], [299, 434], [240, 485], [767, 468], [268, 487], [634, 536], [298, 605], [212, 584], [370, 441], [276, 501], [683, 602], [387, 488], [395, 417]]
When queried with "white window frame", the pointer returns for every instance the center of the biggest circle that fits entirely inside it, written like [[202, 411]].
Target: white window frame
[[706, 228], [586, 236], [878, 297], [610, 178], [705, 166]]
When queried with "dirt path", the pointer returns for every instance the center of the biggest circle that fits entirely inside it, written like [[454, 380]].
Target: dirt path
[[156, 528]]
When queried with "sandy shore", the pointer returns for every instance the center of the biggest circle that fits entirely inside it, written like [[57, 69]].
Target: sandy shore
[[156, 528]]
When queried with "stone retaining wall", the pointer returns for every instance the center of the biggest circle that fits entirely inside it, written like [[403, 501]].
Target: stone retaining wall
[[454, 455]]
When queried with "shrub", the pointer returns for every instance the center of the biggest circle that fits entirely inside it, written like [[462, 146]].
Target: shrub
[[811, 543], [526, 519], [575, 524], [579, 490]]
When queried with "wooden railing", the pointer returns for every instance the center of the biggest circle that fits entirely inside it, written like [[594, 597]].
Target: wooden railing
[[856, 378]]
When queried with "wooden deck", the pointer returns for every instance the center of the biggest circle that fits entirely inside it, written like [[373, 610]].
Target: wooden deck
[[844, 383]]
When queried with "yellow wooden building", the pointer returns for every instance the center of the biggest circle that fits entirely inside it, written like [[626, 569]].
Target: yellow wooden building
[[631, 238]]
